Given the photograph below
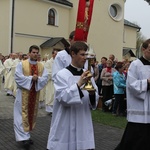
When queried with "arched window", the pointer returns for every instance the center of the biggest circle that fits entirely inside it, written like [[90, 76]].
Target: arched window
[[51, 17]]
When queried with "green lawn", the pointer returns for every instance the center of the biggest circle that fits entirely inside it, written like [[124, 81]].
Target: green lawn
[[109, 119]]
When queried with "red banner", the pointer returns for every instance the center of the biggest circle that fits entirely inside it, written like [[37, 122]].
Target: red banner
[[85, 9]]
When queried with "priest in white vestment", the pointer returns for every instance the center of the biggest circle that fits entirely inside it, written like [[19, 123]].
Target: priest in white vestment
[[10, 65], [43, 91], [1, 72], [71, 126], [137, 133], [30, 77], [50, 84]]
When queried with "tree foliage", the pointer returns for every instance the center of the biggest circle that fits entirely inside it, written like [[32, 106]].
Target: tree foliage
[[140, 39]]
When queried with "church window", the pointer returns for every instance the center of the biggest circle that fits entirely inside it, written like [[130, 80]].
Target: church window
[[51, 17]]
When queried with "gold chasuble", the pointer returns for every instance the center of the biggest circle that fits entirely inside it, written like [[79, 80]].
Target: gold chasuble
[[30, 99]]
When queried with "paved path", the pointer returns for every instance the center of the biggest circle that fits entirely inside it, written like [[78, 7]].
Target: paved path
[[106, 137]]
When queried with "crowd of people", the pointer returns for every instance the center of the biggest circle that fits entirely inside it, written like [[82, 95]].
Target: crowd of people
[[58, 85], [110, 77], [8, 66]]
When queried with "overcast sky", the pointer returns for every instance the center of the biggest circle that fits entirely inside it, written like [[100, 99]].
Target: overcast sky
[[138, 11]]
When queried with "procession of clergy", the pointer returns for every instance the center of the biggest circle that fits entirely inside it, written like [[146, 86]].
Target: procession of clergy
[[7, 72], [30, 82]]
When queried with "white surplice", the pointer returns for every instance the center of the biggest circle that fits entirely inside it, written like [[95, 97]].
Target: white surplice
[[71, 126], [24, 82], [138, 95], [62, 60]]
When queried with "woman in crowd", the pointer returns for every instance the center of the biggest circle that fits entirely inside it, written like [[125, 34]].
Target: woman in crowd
[[100, 68], [107, 83], [119, 82]]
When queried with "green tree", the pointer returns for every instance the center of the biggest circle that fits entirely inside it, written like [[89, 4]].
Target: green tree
[[140, 39]]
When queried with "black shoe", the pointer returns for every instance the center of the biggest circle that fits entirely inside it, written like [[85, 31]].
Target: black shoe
[[8, 94], [31, 142], [26, 144], [49, 114]]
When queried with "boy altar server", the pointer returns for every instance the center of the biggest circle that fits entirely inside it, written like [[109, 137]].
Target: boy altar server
[[71, 125]]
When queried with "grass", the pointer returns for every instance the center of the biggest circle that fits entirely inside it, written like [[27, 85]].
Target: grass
[[109, 119]]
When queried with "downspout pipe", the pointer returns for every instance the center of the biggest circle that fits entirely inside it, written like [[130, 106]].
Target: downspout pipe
[[12, 26]]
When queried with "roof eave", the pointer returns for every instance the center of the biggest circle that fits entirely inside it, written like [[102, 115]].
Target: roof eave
[[139, 28], [66, 3]]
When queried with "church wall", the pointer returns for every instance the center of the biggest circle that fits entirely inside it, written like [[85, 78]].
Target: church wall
[[130, 37], [22, 43], [31, 23], [5, 29], [105, 34], [30, 26]]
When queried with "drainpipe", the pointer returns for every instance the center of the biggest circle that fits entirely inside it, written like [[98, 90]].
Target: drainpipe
[[12, 26]]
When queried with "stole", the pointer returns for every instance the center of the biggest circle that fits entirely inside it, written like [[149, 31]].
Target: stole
[[32, 97]]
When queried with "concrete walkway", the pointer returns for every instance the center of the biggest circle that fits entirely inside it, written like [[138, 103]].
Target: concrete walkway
[[106, 137]]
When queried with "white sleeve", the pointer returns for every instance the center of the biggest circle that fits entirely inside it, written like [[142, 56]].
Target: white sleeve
[[67, 94], [21, 80], [136, 81], [42, 81], [57, 65]]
